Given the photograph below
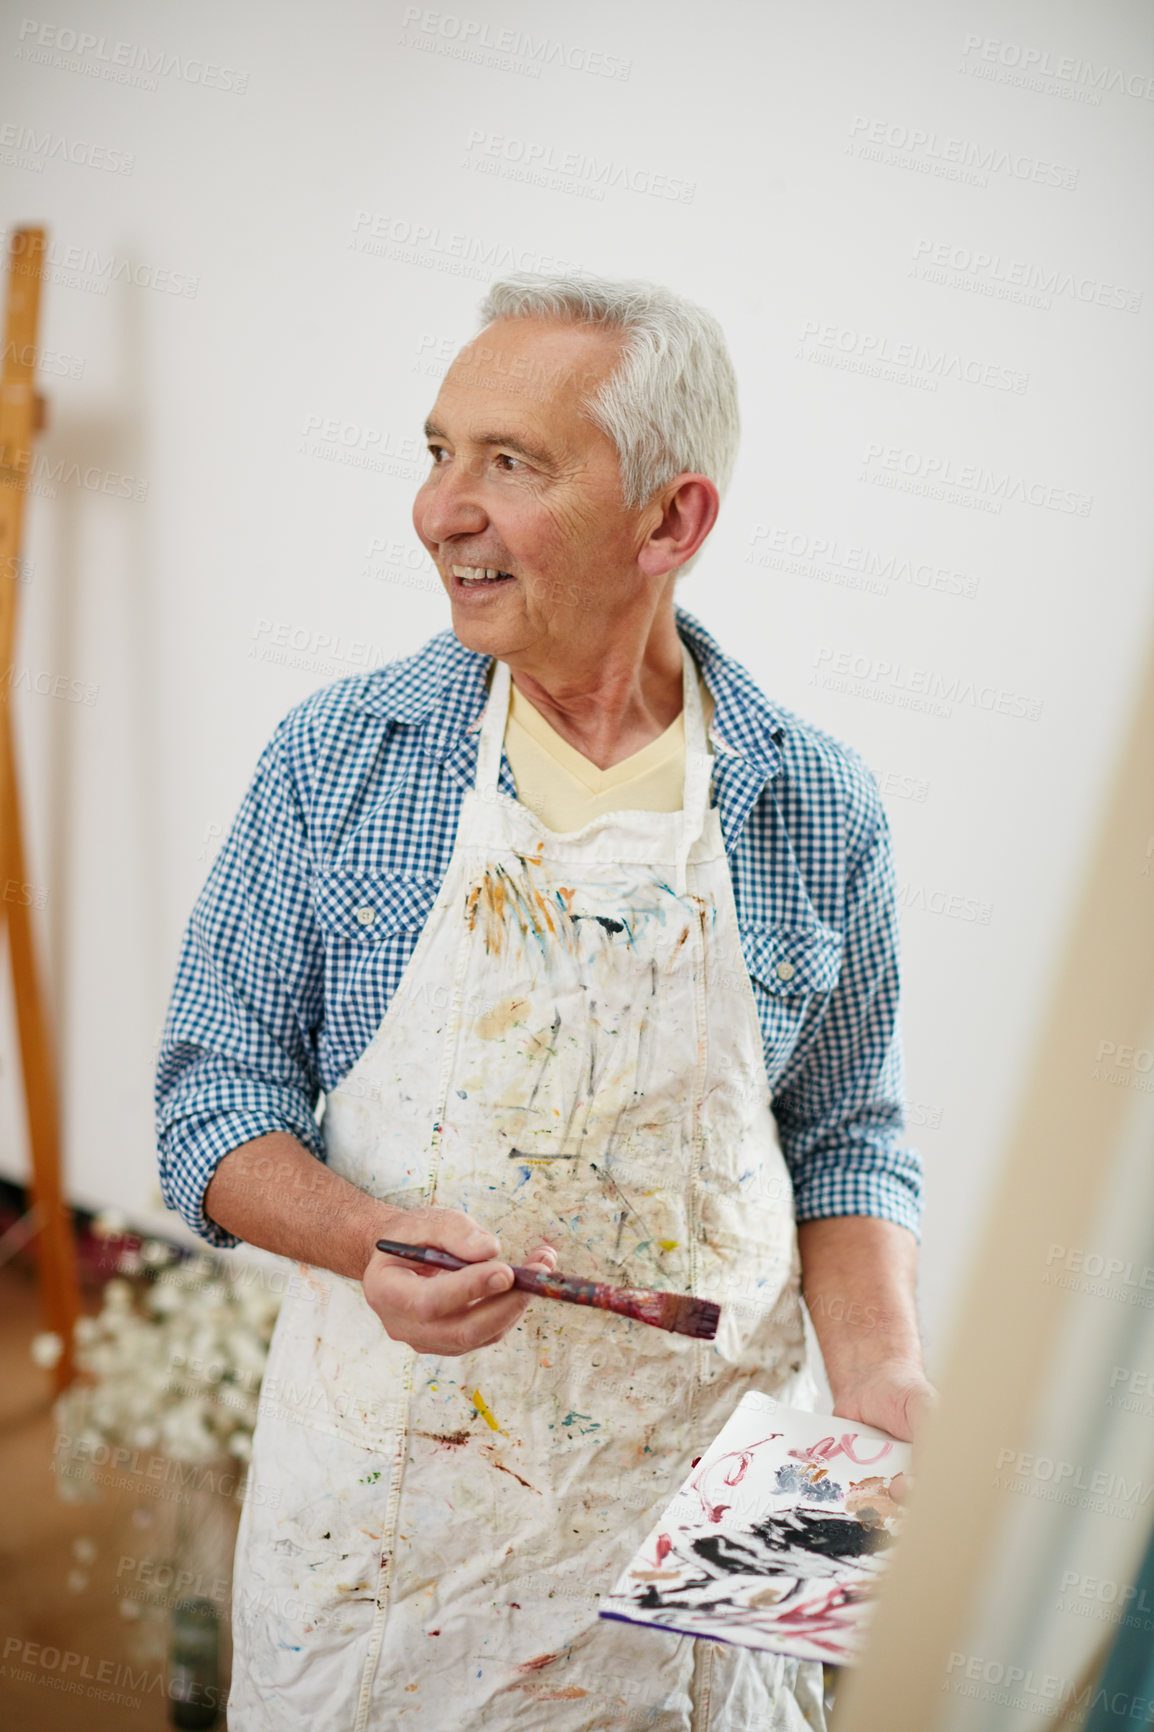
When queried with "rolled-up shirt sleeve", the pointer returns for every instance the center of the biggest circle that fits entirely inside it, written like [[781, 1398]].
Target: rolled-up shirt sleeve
[[238, 1057], [840, 1109]]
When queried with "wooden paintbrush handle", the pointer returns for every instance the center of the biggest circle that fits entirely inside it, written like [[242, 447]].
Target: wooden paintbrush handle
[[624, 1300], [575, 1290]]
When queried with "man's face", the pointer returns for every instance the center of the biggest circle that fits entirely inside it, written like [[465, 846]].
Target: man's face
[[524, 485]]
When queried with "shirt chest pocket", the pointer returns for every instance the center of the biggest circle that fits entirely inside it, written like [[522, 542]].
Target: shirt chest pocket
[[792, 970], [371, 922], [369, 908]]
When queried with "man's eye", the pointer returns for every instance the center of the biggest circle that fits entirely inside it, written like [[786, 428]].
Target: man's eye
[[436, 451], [504, 457]]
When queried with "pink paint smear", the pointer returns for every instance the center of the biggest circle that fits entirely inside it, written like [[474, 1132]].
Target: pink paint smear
[[819, 1453], [739, 1460]]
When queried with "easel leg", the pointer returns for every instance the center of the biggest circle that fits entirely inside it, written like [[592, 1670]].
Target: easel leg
[[54, 1244]]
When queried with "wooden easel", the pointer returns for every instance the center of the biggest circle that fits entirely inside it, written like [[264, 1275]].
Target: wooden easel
[[21, 418], [1067, 1141]]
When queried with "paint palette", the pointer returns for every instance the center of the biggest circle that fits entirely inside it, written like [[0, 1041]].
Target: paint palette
[[777, 1538]]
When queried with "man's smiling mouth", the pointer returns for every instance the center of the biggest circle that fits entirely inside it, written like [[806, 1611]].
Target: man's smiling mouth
[[477, 574]]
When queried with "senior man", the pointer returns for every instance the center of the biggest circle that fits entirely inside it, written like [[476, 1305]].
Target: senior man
[[590, 951]]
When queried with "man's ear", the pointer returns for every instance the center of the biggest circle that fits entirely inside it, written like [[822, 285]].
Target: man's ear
[[689, 505]]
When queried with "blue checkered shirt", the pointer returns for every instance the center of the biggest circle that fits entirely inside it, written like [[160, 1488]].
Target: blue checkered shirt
[[354, 805]]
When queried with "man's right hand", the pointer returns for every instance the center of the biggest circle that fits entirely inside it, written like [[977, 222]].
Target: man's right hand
[[447, 1311]]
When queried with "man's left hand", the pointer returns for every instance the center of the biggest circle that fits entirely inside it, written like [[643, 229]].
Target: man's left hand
[[895, 1396]]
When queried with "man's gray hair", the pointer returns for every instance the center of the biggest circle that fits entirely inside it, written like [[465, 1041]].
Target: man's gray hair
[[670, 405]]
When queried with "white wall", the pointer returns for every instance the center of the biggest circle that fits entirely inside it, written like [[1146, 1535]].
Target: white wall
[[217, 295]]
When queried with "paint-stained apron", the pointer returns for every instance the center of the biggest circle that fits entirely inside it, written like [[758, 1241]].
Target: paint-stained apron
[[572, 1054]]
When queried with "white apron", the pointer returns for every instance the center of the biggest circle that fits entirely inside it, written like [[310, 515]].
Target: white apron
[[573, 1054]]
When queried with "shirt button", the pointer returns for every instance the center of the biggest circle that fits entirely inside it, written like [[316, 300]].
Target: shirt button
[[785, 971], [366, 916]]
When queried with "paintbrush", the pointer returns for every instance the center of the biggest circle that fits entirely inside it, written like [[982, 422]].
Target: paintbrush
[[678, 1312]]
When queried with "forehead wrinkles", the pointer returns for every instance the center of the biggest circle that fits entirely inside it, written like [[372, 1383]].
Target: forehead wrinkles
[[531, 381], [553, 367], [485, 398], [495, 420]]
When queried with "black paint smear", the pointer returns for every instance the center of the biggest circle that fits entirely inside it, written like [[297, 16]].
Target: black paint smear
[[787, 1539], [612, 927], [653, 1600], [828, 1536]]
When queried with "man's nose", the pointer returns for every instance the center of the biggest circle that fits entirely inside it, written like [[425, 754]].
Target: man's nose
[[447, 505]]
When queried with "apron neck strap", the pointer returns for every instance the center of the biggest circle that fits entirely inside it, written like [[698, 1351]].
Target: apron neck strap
[[698, 769], [698, 762], [493, 732]]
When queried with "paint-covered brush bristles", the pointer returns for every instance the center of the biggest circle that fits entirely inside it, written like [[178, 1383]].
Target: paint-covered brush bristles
[[680, 1313], [698, 1317]]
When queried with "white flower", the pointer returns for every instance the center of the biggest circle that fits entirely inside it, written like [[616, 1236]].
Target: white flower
[[77, 1581], [83, 1550], [176, 1366], [247, 1352], [129, 1609], [110, 1224], [156, 1253], [46, 1349], [187, 1434], [199, 1270]]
